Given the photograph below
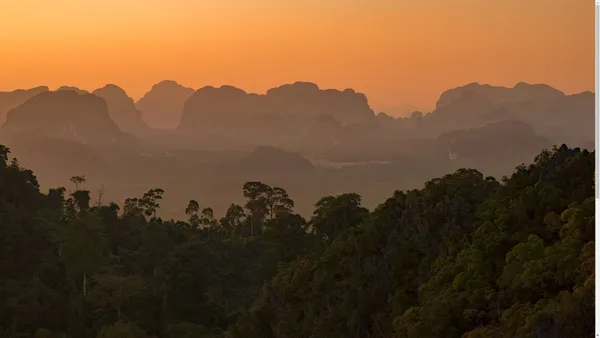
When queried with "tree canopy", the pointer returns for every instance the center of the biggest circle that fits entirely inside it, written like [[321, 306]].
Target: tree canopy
[[465, 256]]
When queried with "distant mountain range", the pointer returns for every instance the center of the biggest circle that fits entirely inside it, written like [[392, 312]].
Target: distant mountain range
[[206, 143], [560, 117], [298, 117]]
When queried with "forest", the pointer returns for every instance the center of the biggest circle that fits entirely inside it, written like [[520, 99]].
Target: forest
[[467, 255]]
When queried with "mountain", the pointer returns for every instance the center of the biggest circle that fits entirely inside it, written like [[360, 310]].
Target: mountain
[[66, 115], [285, 116], [215, 105], [74, 89], [298, 100], [302, 98], [161, 107], [225, 115], [122, 110], [10, 100], [551, 113], [468, 110], [521, 92], [303, 118]]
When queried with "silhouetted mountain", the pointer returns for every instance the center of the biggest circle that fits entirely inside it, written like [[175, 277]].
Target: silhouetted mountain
[[122, 110], [10, 100], [385, 118], [74, 89], [161, 107], [210, 105], [66, 115], [549, 111], [286, 116], [305, 98], [302, 118], [416, 115], [470, 109], [229, 116], [299, 100], [521, 92]]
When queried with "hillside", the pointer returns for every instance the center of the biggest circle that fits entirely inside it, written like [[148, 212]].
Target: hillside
[[66, 115], [122, 110], [161, 107], [10, 100]]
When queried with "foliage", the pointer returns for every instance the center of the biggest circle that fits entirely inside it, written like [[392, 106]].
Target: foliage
[[466, 256]]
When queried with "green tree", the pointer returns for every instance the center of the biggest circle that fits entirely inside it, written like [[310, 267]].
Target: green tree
[[335, 214]]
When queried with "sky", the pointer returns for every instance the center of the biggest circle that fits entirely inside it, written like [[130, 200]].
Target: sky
[[397, 52]]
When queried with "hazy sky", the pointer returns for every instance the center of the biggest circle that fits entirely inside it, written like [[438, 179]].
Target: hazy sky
[[394, 51]]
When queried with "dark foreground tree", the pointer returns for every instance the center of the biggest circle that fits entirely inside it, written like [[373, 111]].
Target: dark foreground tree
[[466, 256]]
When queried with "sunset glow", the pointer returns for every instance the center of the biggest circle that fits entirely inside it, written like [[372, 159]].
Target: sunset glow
[[395, 53]]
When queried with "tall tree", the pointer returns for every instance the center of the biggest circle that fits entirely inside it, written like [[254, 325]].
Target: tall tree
[[257, 196], [192, 211]]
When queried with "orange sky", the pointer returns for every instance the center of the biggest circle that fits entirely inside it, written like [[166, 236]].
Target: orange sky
[[394, 51]]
